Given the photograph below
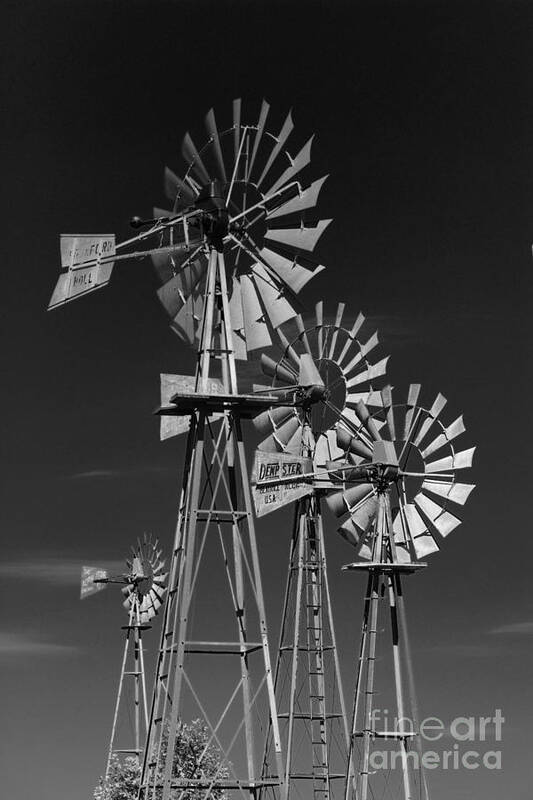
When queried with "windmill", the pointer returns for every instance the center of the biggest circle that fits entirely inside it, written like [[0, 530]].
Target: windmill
[[231, 254], [328, 364], [399, 481], [143, 587]]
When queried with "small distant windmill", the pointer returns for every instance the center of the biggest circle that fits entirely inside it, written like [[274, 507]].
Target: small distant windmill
[[143, 587], [325, 370]]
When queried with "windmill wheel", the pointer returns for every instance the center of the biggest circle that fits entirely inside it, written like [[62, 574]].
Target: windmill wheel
[[248, 183], [405, 454], [146, 579], [340, 361]]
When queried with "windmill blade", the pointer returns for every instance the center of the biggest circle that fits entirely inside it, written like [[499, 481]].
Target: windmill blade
[[386, 394], [212, 130], [442, 520], [412, 400], [353, 534], [319, 312], [290, 356], [339, 503], [309, 374], [364, 415], [337, 325], [351, 336], [237, 321], [461, 460], [284, 133], [276, 307], [174, 293], [280, 439], [360, 520], [271, 419], [435, 410], [255, 328], [401, 539], [347, 441], [303, 334], [451, 432], [177, 191], [274, 370], [192, 157], [456, 492], [371, 373], [187, 320], [423, 542], [301, 160], [295, 272], [362, 353], [169, 264], [258, 135], [306, 198], [236, 127], [302, 238]]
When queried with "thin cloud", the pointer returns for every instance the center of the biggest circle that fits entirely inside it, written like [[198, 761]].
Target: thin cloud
[[97, 473], [56, 571], [515, 629], [21, 644], [465, 650], [113, 474]]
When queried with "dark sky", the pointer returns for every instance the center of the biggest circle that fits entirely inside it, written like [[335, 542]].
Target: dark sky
[[423, 119]]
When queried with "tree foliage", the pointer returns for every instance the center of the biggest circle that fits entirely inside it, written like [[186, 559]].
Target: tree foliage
[[195, 756]]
